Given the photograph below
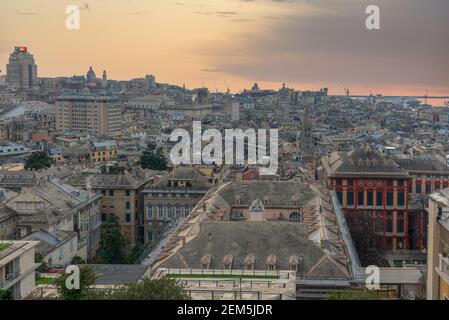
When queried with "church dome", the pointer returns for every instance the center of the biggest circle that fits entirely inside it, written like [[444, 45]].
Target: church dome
[[90, 76]]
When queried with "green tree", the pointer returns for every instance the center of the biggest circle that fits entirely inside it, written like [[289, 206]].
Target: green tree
[[43, 265], [367, 242], [112, 243], [353, 294], [37, 161], [148, 289], [77, 260], [136, 252], [87, 279], [6, 295], [153, 158]]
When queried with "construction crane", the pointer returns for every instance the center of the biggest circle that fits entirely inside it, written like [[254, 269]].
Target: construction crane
[[345, 89]]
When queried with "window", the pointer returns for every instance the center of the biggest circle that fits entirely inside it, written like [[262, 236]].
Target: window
[[350, 182], [128, 205], [360, 200], [340, 197], [149, 211], [236, 215], [160, 211], [418, 187], [400, 183], [128, 218], [295, 216], [400, 226], [271, 267], [178, 210], [428, 188], [111, 193], [127, 193], [350, 198], [170, 211], [186, 210], [369, 198], [389, 226], [401, 201], [389, 198], [379, 199], [390, 183]]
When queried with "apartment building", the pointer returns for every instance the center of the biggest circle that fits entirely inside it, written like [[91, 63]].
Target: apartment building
[[17, 267], [438, 246], [120, 196], [54, 205], [97, 114], [103, 151], [171, 198]]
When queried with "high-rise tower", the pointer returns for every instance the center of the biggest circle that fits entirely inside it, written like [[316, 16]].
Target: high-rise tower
[[21, 71]]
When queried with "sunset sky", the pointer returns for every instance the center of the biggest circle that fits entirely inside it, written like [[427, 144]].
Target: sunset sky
[[308, 44]]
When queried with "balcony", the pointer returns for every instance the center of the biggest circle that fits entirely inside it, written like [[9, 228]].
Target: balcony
[[443, 268], [9, 280]]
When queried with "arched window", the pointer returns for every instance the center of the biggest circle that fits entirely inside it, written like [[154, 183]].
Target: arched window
[[296, 216]]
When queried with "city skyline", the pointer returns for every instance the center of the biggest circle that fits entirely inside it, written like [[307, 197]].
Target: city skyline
[[221, 44]]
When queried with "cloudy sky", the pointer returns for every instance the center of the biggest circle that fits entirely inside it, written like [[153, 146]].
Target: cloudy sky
[[307, 44]]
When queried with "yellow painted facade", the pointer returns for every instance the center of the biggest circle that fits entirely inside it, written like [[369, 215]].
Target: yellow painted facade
[[444, 290], [103, 155], [3, 134]]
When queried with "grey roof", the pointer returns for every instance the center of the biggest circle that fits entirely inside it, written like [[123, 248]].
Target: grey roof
[[129, 179], [366, 163], [118, 180], [280, 193], [184, 173], [423, 165], [240, 240], [118, 274], [77, 150], [17, 179], [49, 241], [59, 199]]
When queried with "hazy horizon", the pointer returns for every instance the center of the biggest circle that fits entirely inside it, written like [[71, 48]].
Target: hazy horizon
[[308, 44]]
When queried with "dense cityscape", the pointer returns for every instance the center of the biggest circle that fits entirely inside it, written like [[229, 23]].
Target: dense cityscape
[[224, 158], [86, 179]]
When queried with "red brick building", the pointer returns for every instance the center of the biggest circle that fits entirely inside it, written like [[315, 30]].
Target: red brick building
[[365, 180]]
